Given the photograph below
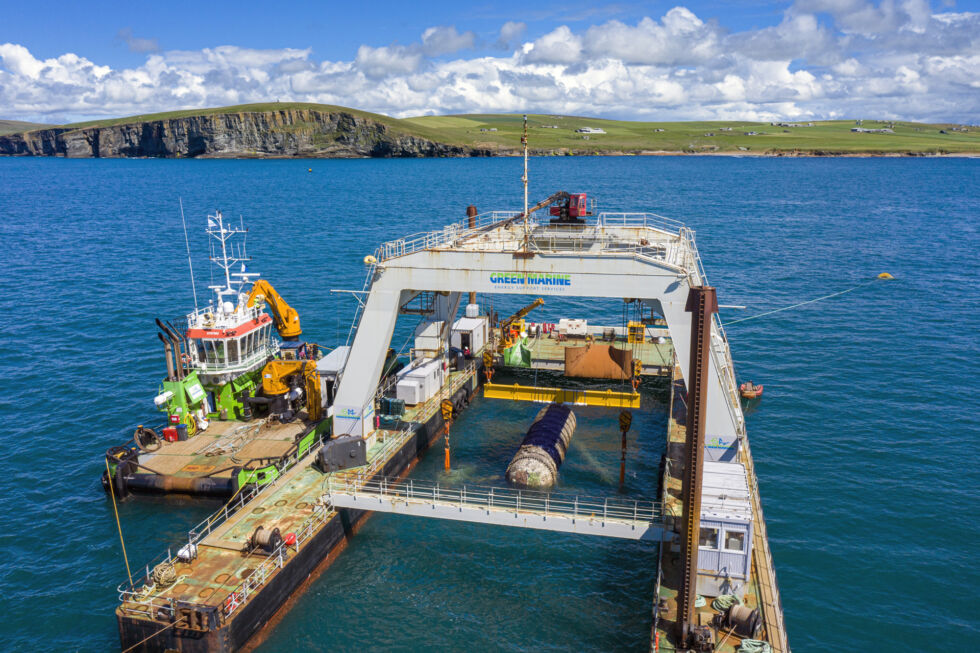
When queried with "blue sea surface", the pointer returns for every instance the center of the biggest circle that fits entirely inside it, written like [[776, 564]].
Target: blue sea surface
[[866, 442]]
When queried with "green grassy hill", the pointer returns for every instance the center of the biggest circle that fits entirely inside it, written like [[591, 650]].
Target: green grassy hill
[[17, 126], [552, 134], [558, 132]]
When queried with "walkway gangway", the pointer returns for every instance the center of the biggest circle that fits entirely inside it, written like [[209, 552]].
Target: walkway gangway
[[605, 516]]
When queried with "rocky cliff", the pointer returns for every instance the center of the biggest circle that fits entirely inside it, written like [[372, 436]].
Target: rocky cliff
[[267, 134]]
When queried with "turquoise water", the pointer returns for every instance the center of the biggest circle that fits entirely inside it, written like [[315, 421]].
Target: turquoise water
[[866, 441]]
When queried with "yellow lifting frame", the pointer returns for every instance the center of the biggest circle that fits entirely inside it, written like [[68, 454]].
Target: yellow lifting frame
[[602, 398]]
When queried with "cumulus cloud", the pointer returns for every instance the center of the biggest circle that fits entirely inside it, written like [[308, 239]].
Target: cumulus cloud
[[823, 59], [510, 33], [445, 40], [137, 44]]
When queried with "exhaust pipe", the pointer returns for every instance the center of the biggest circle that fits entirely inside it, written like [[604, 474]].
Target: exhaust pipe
[[178, 351], [168, 350]]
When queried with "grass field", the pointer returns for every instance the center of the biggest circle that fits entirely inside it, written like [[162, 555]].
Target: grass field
[[627, 136], [557, 134], [15, 126]]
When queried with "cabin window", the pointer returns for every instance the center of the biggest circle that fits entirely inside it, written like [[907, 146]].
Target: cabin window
[[219, 351], [233, 351], [201, 353], [735, 541], [208, 346], [709, 538]]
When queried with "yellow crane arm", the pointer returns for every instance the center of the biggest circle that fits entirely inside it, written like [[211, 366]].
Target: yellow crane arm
[[521, 313], [274, 376], [285, 316]]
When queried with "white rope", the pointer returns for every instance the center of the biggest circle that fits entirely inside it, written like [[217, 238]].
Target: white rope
[[810, 301]]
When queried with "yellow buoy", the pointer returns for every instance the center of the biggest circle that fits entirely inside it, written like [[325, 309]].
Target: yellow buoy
[[309, 169], [885, 275]]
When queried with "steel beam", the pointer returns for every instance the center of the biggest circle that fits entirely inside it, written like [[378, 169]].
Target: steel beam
[[603, 398], [702, 302]]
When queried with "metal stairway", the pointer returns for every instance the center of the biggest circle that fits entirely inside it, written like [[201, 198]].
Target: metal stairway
[[609, 516]]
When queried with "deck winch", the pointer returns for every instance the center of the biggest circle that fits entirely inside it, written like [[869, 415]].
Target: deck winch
[[543, 450]]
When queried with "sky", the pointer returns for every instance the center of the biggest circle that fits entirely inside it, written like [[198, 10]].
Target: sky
[[695, 60]]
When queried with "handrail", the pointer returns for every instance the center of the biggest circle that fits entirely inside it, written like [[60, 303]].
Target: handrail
[[502, 499], [215, 519]]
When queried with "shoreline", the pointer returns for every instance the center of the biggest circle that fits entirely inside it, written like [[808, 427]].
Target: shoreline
[[644, 153]]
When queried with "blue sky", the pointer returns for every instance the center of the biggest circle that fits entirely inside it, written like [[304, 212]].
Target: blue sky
[[915, 59]]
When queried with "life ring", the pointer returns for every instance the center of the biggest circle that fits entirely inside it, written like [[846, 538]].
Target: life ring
[[231, 603]]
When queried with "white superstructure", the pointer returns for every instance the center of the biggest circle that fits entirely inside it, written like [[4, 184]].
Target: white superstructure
[[615, 255], [227, 337]]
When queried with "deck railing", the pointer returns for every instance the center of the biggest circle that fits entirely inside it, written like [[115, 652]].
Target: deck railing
[[503, 499]]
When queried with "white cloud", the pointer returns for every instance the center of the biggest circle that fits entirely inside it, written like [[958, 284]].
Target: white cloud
[[825, 58], [388, 60], [445, 40], [560, 46], [510, 32], [679, 38], [136, 44]]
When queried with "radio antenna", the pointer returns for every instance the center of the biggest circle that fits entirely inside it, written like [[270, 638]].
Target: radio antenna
[[190, 265]]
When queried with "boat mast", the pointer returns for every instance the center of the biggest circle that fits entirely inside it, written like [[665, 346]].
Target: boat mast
[[219, 232], [524, 179]]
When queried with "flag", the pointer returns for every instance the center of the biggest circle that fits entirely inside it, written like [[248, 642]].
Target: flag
[[211, 223]]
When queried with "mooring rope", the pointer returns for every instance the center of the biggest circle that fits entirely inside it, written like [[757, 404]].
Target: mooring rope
[[167, 627], [880, 277], [112, 493]]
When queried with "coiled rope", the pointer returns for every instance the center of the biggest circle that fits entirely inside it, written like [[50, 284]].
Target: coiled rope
[[754, 646], [164, 574], [725, 601]]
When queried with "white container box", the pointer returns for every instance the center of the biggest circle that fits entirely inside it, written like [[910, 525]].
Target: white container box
[[573, 327], [469, 333], [420, 381], [428, 338], [725, 541], [472, 310]]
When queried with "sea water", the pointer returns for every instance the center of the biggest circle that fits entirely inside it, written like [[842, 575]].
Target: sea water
[[866, 441]]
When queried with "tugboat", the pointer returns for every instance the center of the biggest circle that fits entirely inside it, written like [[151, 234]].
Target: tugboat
[[240, 404]]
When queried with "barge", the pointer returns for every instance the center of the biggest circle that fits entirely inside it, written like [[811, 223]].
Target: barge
[[243, 564]]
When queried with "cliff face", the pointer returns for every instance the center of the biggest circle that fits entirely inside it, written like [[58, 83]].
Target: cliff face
[[286, 133]]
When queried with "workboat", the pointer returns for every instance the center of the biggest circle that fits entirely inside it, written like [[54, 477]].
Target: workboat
[[749, 390], [244, 396]]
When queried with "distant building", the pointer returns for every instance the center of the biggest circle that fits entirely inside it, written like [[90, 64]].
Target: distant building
[[488, 129], [792, 124], [751, 133], [659, 129], [709, 134], [590, 130], [864, 130]]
